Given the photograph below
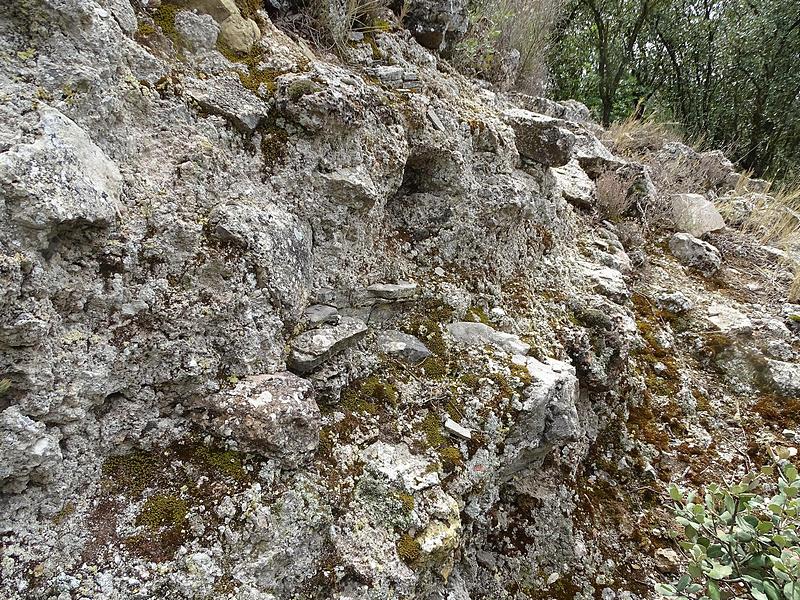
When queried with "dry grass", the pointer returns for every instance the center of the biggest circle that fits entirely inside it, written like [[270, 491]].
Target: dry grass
[[794, 289], [775, 219], [613, 197], [329, 23], [499, 27], [636, 138]]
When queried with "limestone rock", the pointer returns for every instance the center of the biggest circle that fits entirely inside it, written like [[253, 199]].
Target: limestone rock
[[675, 302], [62, 178], [398, 465], [29, 452], [606, 281], [198, 32], [728, 319], [541, 139], [695, 253], [275, 242], [312, 348], [403, 346], [549, 416], [393, 291], [227, 97], [575, 185], [694, 214], [272, 414], [437, 24], [239, 34], [478, 334], [784, 378], [319, 314]]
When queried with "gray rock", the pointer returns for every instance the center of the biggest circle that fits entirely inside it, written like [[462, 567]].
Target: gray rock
[[575, 185], [403, 346], [30, 453], [320, 314], [436, 24], [478, 334], [393, 291], [311, 348], [675, 302], [606, 281], [199, 32], [227, 97], [694, 214], [549, 417], [274, 242], [784, 377], [539, 138], [729, 320], [458, 430], [275, 415], [60, 178], [695, 253]]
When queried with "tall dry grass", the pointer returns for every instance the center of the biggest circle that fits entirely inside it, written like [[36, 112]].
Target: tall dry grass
[[499, 28]]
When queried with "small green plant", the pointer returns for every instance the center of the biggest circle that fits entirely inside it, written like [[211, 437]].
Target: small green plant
[[741, 540]]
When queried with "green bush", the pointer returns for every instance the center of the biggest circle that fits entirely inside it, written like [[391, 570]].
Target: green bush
[[741, 540]]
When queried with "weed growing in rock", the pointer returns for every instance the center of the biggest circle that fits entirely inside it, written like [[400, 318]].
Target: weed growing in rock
[[741, 540]]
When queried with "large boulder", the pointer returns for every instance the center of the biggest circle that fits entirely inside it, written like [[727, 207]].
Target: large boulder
[[540, 138], [694, 214], [695, 253]]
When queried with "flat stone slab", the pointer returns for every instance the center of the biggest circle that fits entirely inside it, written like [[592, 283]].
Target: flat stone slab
[[403, 346], [478, 334], [311, 348], [227, 97], [728, 319], [606, 281], [393, 291], [457, 430], [318, 314]]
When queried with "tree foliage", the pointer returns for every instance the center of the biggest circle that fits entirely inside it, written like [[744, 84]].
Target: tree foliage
[[741, 540], [726, 70]]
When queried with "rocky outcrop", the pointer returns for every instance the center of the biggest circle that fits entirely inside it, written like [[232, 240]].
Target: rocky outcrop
[[279, 325]]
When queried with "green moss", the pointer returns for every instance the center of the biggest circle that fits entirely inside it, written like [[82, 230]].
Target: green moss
[[432, 429], [5, 385], [64, 513], [407, 500], [434, 367], [471, 380], [225, 462], [451, 456], [408, 549], [255, 76], [145, 29], [369, 395], [164, 18], [274, 145], [299, 88], [162, 511], [477, 315], [520, 372], [131, 472]]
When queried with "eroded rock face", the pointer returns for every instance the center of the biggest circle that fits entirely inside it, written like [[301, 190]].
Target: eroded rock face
[[437, 24]]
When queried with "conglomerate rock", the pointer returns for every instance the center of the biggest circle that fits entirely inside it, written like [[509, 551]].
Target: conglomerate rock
[[194, 203]]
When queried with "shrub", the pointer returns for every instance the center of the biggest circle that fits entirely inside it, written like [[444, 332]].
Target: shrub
[[741, 540], [507, 42]]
